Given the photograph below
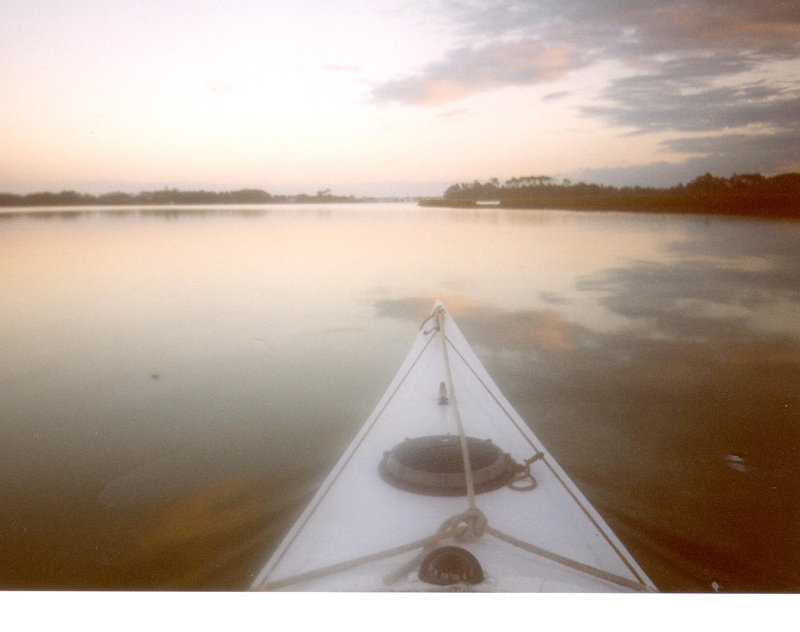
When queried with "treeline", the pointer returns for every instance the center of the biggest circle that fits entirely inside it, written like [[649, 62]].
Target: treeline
[[741, 194], [166, 197]]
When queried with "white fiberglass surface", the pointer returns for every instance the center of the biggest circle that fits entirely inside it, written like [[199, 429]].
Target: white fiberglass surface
[[356, 513]]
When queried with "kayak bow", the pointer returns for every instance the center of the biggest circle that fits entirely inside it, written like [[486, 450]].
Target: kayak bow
[[445, 487]]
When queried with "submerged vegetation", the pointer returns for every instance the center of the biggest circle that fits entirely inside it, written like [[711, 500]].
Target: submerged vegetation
[[745, 194]]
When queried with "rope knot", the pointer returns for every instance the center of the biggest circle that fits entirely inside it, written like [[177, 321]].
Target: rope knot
[[476, 521], [468, 525]]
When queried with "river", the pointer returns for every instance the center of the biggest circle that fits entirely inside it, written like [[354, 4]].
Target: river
[[175, 382]]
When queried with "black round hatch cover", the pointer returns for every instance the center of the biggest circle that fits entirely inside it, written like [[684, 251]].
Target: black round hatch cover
[[450, 565], [434, 466]]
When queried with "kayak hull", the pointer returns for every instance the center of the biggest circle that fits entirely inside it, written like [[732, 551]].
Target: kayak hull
[[362, 533]]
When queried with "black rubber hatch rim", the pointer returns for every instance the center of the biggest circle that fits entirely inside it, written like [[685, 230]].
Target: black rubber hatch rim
[[433, 465]]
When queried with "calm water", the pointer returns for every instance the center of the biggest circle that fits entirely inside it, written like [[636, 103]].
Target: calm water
[[174, 384]]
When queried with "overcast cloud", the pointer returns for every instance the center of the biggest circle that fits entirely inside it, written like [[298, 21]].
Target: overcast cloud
[[469, 70], [728, 70]]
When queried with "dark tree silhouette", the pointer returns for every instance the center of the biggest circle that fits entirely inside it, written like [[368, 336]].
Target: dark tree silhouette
[[749, 194]]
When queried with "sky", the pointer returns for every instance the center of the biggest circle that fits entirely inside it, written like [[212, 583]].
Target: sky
[[393, 97]]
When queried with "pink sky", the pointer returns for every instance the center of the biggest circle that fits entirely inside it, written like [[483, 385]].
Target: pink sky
[[398, 97]]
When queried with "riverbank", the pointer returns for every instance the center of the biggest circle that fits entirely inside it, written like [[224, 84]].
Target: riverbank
[[741, 195], [177, 197], [753, 206]]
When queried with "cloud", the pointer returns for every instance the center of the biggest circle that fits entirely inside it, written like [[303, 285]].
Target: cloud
[[631, 28], [727, 70], [668, 99], [555, 96], [456, 113], [782, 147], [775, 153], [719, 154], [468, 70]]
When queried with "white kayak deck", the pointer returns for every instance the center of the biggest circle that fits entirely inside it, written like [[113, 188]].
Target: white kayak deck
[[361, 533]]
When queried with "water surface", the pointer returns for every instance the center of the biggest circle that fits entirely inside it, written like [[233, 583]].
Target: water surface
[[175, 382]]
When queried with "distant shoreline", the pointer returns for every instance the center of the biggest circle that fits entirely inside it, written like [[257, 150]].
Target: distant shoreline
[[748, 195], [175, 197]]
